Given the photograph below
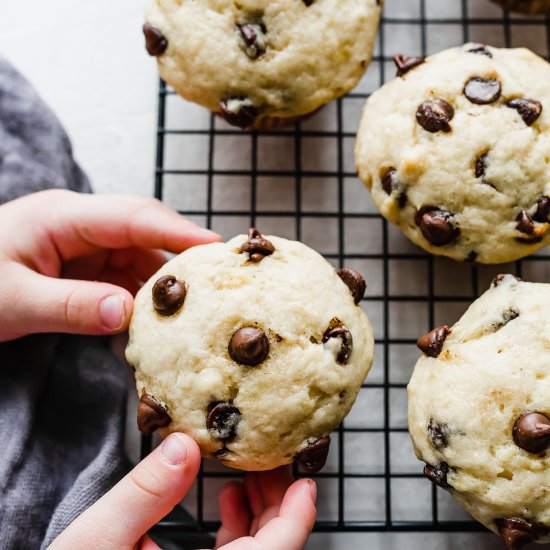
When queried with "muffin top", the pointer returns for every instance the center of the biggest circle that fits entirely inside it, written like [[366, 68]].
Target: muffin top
[[456, 152], [256, 348], [479, 409], [253, 59]]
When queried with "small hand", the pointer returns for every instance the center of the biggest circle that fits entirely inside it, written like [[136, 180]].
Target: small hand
[[71, 262], [265, 514]]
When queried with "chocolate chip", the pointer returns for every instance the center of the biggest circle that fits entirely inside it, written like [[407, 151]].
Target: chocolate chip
[[436, 226], [253, 35], [308, 2], [532, 432], [405, 63], [434, 115], [391, 183], [529, 109], [543, 210], [346, 346], [168, 295], [238, 111], [221, 453], [482, 91], [155, 42], [222, 421], [499, 278], [525, 223], [249, 346], [354, 281], [257, 246], [314, 456], [151, 415], [432, 343], [480, 165], [472, 257], [480, 49], [438, 433], [515, 532], [438, 475]]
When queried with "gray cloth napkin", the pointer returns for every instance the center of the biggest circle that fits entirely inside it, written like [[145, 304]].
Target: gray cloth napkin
[[62, 398]]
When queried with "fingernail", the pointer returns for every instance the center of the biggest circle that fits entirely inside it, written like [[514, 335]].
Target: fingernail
[[312, 490], [174, 450], [111, 312]]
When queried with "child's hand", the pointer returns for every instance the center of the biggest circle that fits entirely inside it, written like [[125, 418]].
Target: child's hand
[[71, 262], [264, 514]]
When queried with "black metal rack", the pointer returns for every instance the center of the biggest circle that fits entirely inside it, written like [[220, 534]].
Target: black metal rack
[[222, 173]]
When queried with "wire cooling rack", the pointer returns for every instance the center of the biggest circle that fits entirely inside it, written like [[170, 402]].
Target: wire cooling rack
[[301, 183]]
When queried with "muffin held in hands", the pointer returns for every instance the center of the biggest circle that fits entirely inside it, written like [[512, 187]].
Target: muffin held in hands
[[479, 410], [260, 63], [256, 348], [526, 6], [455, 151]]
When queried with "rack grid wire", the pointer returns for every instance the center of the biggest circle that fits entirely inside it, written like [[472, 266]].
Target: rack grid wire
[[300, 182]]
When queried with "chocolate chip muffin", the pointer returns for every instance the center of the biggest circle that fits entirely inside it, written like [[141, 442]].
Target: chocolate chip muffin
[[262, 63], [455, 152], [479, 410], [526, 6], [256, 348]]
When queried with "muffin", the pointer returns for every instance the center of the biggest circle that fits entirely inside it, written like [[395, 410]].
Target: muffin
[[526, 6], [256, 348], [259, 63], [479, 410], [455, 152]]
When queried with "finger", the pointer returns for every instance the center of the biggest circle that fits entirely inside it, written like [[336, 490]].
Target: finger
[[253, 493], [235, 513], [146, 543], [143, 262], [123, 278], [84, 222], [150, 491], [274, 484], [46, 304], [291, 529]]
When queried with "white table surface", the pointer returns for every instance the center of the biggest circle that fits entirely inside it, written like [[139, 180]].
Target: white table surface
[[87, 61]]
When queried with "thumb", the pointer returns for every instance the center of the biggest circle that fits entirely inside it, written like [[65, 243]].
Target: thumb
[[47, 304], [150, 491]]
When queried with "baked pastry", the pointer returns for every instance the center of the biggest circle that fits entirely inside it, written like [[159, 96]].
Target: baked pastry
[[256, 62], [256, 348], [455, 152], [526, 6], [479, 410]]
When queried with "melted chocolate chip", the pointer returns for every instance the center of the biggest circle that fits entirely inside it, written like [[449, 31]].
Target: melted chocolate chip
[[155, 42], [515, 532], [436, 226], [346, 346], [308, 2], [257, 246], [168, 295], [354, 281], [405, 63], [249, 346], [438, 475], [481, 166], [434, 115], [222, 421], [532, 432], [480, 49], [314, 456], [391, 183], [151, 415], [221, 453], [543, 210], [482, 91], [525, 223], [432, 343], [499, 278], [529, 109], [438, 433], [253, 35], [238, 111]]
